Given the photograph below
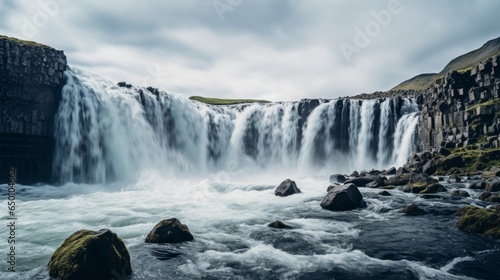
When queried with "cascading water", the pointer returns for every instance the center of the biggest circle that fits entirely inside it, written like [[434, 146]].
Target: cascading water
[[105, 132]]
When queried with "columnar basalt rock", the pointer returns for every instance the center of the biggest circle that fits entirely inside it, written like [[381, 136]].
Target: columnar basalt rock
[[31, 78], [462, 108]]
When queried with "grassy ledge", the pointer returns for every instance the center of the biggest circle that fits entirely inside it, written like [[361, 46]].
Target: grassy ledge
[[218, 101], [23, 42]]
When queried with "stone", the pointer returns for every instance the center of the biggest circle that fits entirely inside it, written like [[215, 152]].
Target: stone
[[362, 181], [450, 162], [429, 168], [485, 195], [413, 210], [478, 185], [90, 254], [390, 171], [278, 225], [169, 231], [337, 178], [480, 221], [459, 193], [402, 170], [286, 188], [398, 180], [342, 198], [378, 183], [443, 151], [493, 184], [354, 174], [384, 193]]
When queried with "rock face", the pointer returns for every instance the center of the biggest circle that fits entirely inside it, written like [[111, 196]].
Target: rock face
[[286, 188], [90, 255], [462, 107], [169, 231], [342, 198], [479, 220], [31, 78]]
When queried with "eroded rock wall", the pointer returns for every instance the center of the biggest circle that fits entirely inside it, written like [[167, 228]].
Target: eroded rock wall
[[31, 78]]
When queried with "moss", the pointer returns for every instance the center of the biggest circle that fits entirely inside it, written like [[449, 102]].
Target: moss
[[474, 159], [480, 220], [218, 101], [23, 42], [90, 255], [491, 102], [169, 231]]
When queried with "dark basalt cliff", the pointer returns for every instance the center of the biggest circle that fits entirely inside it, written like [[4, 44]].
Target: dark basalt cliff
[[31, 78], [462, 108]]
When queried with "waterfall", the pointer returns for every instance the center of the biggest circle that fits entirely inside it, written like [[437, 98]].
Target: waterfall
[[105, 133]]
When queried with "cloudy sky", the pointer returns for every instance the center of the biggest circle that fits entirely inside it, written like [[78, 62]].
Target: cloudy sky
[[275, 50]]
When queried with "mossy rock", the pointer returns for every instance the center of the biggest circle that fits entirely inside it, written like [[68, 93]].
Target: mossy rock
[[169, 231], [87, 254], [480, 220]]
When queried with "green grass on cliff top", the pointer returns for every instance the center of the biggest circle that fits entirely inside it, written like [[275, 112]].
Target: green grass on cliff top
[[23, 42], [460, 64], [218, 101]]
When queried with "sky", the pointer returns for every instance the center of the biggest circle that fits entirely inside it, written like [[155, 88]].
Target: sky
[[265, 49]]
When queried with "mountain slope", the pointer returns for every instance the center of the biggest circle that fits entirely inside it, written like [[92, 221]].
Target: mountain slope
[[461, 63]]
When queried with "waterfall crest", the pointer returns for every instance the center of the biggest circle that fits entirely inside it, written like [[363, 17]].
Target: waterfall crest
[[105, 133]]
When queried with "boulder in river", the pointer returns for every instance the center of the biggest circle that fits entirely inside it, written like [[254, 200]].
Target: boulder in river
[[278, 225], [286, 188], [169, 231], [459, 193], [342, 198], [364, 180], [478, 185], [384, 193], [413, 210], [337, 178], [87, 254], [480, 220], [493, 184], [390, 171]]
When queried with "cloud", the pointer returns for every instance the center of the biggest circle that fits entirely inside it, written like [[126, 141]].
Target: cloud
[[277, 50]]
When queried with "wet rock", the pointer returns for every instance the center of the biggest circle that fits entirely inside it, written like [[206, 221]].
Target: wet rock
[[342, 198], [431, 196], [443, 151], [480, 220], [429, 168], [384, 193], [493, 185], [390, 171], [362, 181], [450, 162], [337, 178], [354, 174], [378, 183], [169, 231], [286, 188], [402, 170], [454, 179], [374, 172], [478, 185], [413, 210], [90, 254], [459, 193], [398, 180], [485, 195], [493, 198], [278, 225]]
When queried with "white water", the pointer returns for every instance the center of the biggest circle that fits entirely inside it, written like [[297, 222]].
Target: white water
[[105, 132], [146, 157]]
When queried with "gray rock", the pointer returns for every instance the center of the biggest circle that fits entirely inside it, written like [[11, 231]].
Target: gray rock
[[286, 188], [342, 198], [169, 231], [337, 178]]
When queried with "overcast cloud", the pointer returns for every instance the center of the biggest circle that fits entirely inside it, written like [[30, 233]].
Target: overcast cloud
[[275, 50]]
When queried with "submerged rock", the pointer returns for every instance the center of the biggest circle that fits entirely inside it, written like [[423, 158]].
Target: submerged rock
[[286, 188], [413, 210], [480, 220], [384, 193], [90, 254], [279, 225], [169, 231], [342, 198]]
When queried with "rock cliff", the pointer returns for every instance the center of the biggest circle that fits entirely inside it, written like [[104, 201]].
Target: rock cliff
[[31, 78]]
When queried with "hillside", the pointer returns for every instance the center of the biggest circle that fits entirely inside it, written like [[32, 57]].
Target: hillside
[[461, 63]]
